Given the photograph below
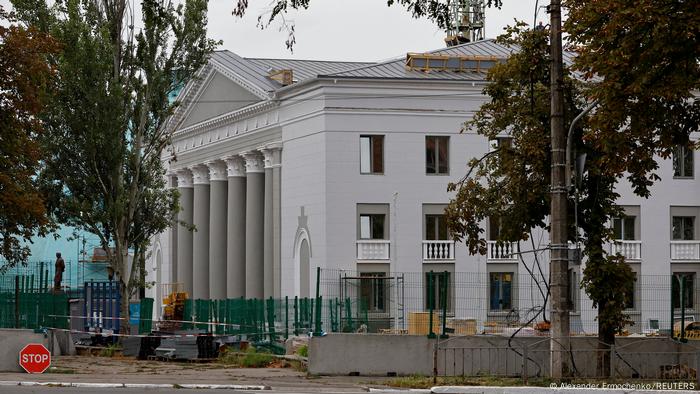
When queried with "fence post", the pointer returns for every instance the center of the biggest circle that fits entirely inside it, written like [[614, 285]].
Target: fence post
[[431, 307], [443, 299], [286, 317], [612, 361], [697, 368], [16, 301], [525, 371], [682, 300]]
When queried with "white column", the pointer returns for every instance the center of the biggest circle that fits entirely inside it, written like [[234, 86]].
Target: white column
[[218, 187], [235, 227], [200, 245], [272, 226], [184, 235], [255, 186]]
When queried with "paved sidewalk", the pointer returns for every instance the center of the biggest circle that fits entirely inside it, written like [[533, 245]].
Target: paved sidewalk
[[85, 369]]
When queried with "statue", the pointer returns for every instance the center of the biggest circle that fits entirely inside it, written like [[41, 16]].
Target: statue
[[58, 277]]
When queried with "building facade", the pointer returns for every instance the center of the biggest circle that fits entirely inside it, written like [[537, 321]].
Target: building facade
[[284, 166]]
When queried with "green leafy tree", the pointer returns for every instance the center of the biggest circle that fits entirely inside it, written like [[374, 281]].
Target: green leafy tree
[[640, 60], [512, 183], [25, 79], [104, 126]]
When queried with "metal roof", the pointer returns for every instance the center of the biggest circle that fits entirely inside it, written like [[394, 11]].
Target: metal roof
[[255, 70], [306, 69], [396, 68]]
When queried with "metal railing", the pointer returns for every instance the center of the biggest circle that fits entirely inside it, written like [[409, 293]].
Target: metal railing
[[373, 249], [685, 250], [631, 250], [497, 250], [652, 359], [438, 250]]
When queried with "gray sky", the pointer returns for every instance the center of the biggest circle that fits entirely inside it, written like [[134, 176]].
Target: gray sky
[[352, 30]]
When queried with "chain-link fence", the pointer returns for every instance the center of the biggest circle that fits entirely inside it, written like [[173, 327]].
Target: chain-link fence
[[498, 301]]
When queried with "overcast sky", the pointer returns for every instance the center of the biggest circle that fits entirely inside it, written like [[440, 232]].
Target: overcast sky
[[353, 30]]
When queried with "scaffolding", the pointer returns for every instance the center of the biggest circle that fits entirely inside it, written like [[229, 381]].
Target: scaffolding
[[467, 22], [428, 62], [378, 302]]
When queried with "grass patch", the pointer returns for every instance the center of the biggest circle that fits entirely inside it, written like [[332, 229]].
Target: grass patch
[[247, 360], [60, 370], [303, 351], [426, 382], [256, 360], [110, 350]]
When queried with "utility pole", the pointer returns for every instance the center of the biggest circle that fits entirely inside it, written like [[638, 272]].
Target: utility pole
[[559, 261]]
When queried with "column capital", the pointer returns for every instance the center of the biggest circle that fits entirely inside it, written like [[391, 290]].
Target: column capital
[[217, 170], [271, 153], [253, 161], [200, 174], [235, 166], [184, 177]]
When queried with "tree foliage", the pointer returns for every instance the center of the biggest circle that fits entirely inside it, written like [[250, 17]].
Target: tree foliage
[[641, 62], [25, 78], [104, 126], [512, 183]]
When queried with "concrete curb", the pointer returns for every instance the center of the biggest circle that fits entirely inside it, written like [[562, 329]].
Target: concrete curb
[[422, 391], [137, 385], [549, 390]]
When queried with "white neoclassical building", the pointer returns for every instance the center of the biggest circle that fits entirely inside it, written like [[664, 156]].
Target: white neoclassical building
[[288, 165]]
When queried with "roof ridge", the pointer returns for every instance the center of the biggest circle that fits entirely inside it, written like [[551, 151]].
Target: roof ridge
[[307, 60], [492, 40], [402, 58]]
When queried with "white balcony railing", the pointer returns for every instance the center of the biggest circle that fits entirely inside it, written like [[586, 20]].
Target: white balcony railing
[[685, 250], [373, 249], [631, 250], [504, 251], [438, 250]]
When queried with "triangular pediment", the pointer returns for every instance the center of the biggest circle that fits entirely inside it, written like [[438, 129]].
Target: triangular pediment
[[218, 95]]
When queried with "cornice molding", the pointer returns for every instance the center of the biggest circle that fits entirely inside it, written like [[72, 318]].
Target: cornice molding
[[225, 119]]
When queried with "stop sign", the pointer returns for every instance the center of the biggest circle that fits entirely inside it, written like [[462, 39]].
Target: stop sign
[[34, 358]]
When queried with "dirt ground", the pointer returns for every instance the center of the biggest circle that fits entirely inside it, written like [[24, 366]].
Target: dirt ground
[[128, 370]]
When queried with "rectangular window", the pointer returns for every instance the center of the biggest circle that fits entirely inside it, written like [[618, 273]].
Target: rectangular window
[[371, 226], [437, 155], [623, 228], [683, 228], [688, 289], [373, 291], [371, 154], [494, 228], [683, 162], [435, 227], [438, 291], [500, 291]]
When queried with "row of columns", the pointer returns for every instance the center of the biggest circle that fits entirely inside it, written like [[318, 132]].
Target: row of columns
[[234, 206]]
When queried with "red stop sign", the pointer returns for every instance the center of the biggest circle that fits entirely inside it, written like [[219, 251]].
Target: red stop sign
[[34, 358]]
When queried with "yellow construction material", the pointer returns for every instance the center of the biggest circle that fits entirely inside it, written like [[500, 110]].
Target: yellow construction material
[[429, 62], [419, 323], [462, 326]]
